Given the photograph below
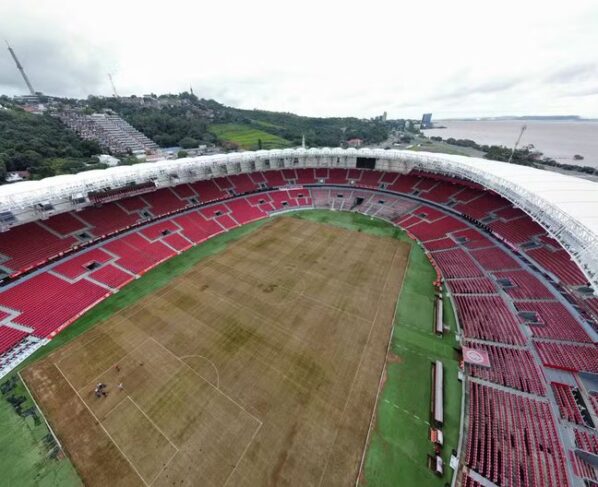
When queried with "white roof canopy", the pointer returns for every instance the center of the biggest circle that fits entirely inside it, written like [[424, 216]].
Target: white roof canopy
[[566, 206]]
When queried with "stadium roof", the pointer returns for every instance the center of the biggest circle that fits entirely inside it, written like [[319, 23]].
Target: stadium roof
[[566, 206]]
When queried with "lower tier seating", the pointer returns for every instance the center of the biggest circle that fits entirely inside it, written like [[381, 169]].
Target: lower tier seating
[[512, 440], [509, 367], [488, 318], [476, 285], [9, 337]]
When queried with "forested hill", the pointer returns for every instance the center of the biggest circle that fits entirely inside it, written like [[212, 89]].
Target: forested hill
[[42, 145], [169, 119]]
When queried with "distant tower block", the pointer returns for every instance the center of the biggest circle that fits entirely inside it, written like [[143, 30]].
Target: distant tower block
[[21, 70], [426, 121]]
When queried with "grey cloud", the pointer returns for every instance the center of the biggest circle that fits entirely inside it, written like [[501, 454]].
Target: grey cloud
[[67, 66], [492, 86], [573, 73]]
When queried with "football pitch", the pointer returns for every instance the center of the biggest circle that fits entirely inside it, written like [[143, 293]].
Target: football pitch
[[260, 365]]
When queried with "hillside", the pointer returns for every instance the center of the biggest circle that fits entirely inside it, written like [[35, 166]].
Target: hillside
[[247, 137], [168, 119], [40, 144]]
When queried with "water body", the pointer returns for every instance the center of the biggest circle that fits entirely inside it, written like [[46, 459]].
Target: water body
[[560, 140]]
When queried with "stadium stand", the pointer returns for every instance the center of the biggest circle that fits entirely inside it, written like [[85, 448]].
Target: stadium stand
[[522, 285], [494, 259], [31, 245], [586, 441], [583, 469], [554, 321], [572, 357], [112, 276], [476, 285], [560, 264], [456, 263], [78, 265], [512, 437], [488, 318], [566, 402], [510, 367]]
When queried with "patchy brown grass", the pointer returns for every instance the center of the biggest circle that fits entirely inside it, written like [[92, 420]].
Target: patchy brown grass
[[259, 366]]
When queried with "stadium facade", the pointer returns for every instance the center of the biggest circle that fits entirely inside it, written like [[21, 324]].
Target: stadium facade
[[566, 206]]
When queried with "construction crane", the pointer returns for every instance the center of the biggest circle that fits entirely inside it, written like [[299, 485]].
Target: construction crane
[[523, 129], [21, 70], [113, 87]]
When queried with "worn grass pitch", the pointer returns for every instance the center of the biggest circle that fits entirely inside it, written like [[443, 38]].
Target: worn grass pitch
[[259, 366]]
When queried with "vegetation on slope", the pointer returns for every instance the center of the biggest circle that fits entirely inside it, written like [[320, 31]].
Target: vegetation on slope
[[246, 137], [167, 119], [41, 144], [318, 132]]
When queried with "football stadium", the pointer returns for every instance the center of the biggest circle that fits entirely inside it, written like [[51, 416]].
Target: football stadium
[[322, 317]]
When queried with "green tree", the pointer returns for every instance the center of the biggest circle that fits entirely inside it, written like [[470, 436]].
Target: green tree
[[188, 143]]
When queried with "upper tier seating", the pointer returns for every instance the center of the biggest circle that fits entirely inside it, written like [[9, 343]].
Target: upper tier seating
[[438, 228], [64, 224], [472, 239], [494, 259], [242, 184], [569, 357], [31, 245], [517, 231], [555, 321], [163, 201], [107, 219], [479, 207], [48, 303], [560, 264], [524, 285]]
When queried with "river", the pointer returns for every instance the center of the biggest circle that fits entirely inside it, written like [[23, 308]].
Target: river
[[560, 140]]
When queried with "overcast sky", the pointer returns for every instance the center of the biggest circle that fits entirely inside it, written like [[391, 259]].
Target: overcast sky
[[453, 58]]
